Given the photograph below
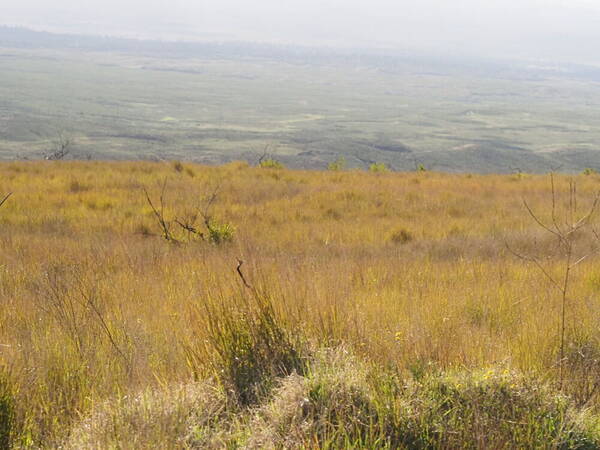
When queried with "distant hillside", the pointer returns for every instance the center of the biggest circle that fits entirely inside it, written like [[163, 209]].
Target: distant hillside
[[216, 102]]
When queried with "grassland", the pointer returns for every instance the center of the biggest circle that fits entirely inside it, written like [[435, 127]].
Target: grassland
[[384, 309], [215, 104]]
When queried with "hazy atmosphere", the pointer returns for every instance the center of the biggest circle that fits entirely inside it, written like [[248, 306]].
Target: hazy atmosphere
[[547, 29]]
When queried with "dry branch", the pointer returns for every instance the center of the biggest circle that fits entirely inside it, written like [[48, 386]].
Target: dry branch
[[5, 198], [565, 235]]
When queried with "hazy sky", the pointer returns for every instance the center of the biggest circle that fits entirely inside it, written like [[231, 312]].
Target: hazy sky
[[569, 29]]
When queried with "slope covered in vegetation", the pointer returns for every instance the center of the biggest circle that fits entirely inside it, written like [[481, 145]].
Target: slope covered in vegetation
[[173, 305]]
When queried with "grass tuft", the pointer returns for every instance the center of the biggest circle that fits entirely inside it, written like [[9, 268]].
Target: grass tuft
[[248, 346], [180, 416]]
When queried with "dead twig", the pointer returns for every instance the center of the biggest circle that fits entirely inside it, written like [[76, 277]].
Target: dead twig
[[159, 213], [241, 274], [564, 230], [5, 198]]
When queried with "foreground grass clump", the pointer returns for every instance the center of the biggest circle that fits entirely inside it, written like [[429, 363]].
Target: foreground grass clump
[[247, 347], [342, 403], [170, 417], [492, 409]]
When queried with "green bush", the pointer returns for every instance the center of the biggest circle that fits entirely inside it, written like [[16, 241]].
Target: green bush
[[271, 164], [589, 171], [219, 233], [378, 168], [330, 407], [338, 164], [248, 347]]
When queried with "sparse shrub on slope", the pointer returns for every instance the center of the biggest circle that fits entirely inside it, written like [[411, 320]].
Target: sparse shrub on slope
[[271, 164], [378, 168], [337, 165]]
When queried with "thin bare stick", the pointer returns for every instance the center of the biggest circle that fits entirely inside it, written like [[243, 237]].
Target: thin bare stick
[[190, 228], [159, 213], [241, 274], [566, 248], [537, 263], [5, 198], [539, 222]]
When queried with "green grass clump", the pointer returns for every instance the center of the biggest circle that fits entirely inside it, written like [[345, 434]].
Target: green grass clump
[[334, 400], [344, 403], [247, 347], [378, 168], [329, 407], [220, 233], [489, 409]]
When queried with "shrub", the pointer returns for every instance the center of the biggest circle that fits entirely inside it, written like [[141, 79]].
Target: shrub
[[378, 168], [271, 164], [338, 164], [247, 347], [589, 171], [220, 233]]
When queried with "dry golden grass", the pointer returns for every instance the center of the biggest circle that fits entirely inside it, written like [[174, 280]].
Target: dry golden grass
[[409, 270]]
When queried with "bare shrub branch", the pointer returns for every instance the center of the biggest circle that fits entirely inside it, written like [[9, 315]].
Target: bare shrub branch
[[61, 147], [159, 213], [565, 245]]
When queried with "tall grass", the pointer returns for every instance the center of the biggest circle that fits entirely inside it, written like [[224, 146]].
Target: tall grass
[[8, 420], [246, 347], [407, 272]]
